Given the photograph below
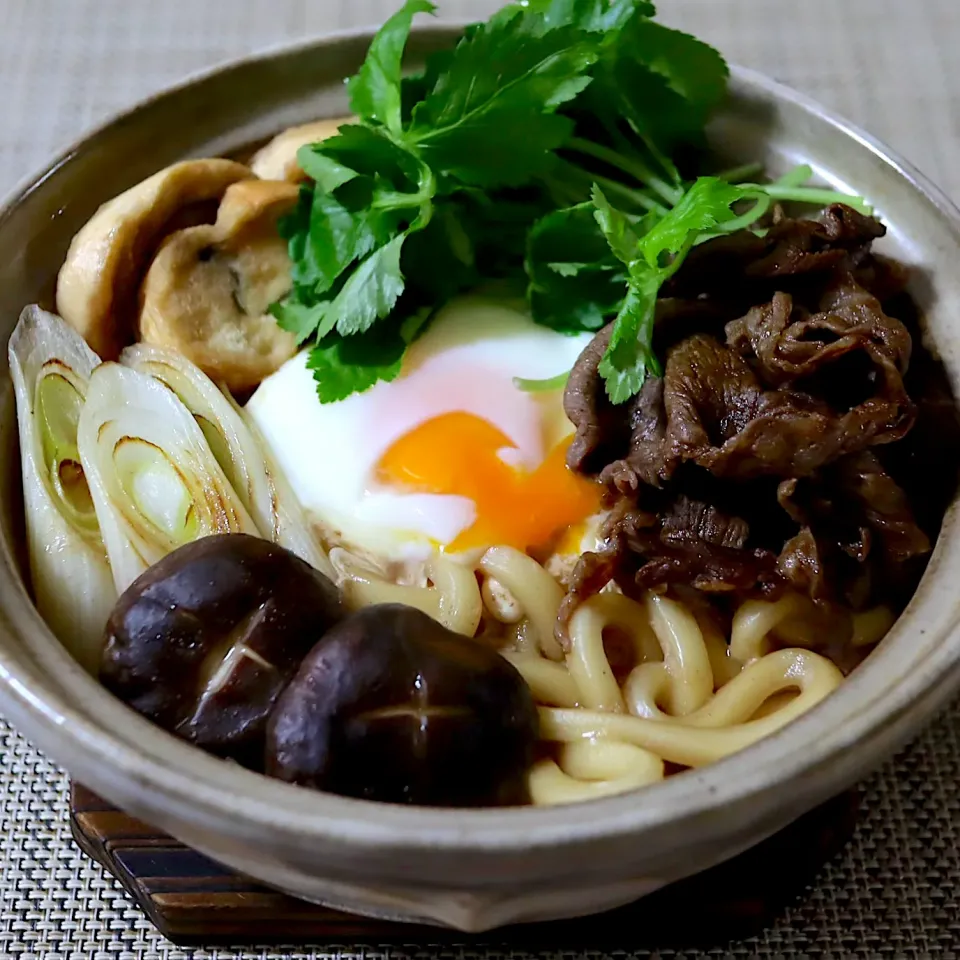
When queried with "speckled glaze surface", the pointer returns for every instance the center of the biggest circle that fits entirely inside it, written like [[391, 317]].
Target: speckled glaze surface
[[468, 869]]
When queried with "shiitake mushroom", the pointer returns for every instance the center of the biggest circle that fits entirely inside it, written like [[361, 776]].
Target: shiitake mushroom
[[204, 641], [392, 706], [238, 646]]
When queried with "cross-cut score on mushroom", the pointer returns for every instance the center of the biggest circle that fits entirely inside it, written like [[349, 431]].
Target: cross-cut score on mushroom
[[98, 283], [277, 160], [209, 289]]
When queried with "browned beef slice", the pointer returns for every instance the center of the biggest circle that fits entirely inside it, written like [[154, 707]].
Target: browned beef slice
[[591, 574], [705, 566], [719, 416], [686, 519], [626, 438], [805, 246], [692, 543], [885, 506], [602, 429], [648, 460], [790, 345], [791, 248], [883, 277], [802, 566]]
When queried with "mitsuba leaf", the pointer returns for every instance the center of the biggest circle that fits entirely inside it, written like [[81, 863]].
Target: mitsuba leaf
[[616, 228], [439, 262], [371, 152], [375, 90], [368, 190], [337, 236], [489, 118], [295, 229], [451, 179], [371, 291], [575, 282], [300, 320], [651, 258], [415, 87], [695, 70], [571, 237], [663, 82], [346, 365], [351, 365], [630, 357], [498, 224], [706, 205], [601, 16], [326, 172]]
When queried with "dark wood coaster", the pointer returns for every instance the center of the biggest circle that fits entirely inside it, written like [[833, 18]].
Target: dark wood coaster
[[194, 901]]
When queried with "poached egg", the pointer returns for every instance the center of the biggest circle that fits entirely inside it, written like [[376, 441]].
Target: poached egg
[[451, 455]]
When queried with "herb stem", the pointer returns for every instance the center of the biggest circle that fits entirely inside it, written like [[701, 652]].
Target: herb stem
[[638, 197], [746, 171], [630, 165], [563, 194], [815, 195], [677, 262], [760, 207], [542, 386], [795, 177]]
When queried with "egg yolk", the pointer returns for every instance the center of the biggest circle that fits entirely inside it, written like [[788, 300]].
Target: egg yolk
[[458, 454]]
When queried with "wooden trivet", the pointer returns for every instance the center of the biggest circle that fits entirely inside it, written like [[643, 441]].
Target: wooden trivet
[[194, 901]]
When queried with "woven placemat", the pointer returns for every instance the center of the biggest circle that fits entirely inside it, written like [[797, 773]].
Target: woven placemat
[[889, 64]]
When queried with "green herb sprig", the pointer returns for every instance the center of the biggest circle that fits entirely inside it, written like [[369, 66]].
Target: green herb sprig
[[544, 149]]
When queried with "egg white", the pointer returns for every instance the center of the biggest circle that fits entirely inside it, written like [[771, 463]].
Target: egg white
[[465, 362]]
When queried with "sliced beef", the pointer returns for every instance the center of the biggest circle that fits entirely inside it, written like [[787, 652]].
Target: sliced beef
[[689, 542], [591, 574], [777, 451], [602, 429], [883, 277], [705, 566], [788, 345], [805, 246], [686, 520], [649, 458], [719, 415], [792, 248], [607, 434], [885, 507], [860, 507], [802, 566]]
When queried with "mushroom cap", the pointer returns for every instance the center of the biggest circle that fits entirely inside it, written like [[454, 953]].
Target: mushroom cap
[[97, 285], [277, 160], [390, 705], [204, 641], [208, 291]]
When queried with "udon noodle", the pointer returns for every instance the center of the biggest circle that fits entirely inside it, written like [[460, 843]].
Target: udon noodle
[[680, 694]]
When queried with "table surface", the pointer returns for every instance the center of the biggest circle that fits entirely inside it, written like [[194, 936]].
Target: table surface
[[889, 65]]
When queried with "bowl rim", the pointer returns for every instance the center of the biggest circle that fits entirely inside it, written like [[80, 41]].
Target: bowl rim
[[194, 784]]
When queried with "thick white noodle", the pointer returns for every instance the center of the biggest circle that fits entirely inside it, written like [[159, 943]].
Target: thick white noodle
[[702, 737], [685, 672], [535, 590], [755, 620], [587, 660], [690, 699], [591, 769]]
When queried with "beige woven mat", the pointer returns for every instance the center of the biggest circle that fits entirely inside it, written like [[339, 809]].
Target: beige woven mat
[[889, 64]]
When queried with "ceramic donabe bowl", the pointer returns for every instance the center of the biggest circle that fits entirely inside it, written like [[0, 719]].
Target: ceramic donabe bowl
[[467, 869]]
